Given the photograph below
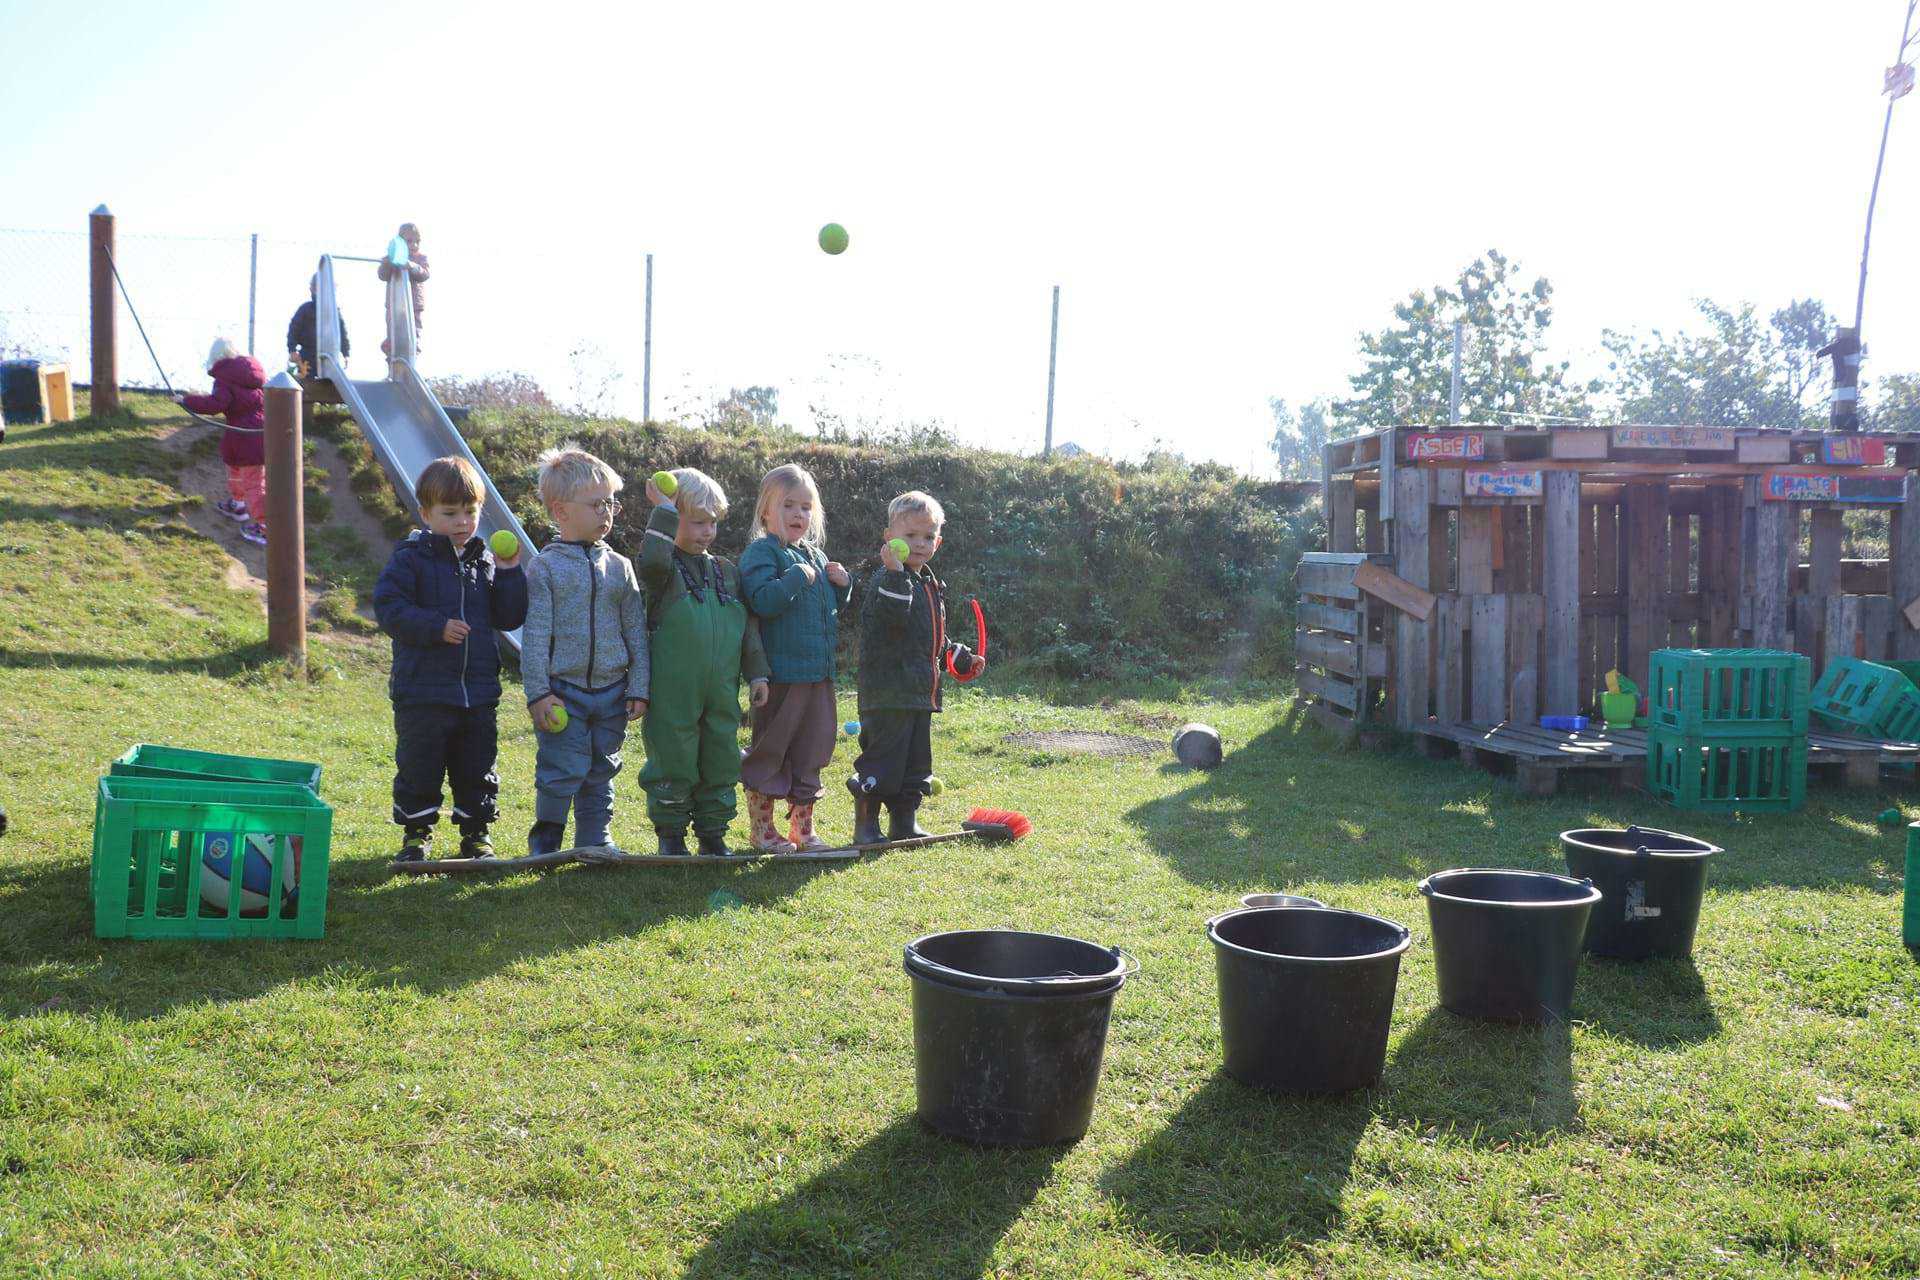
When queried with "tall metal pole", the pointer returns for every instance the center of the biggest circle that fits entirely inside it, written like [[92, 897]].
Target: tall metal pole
[[286, 522], [646, 358], [1053, 352], [1860, 298], [106, 362], [253, 286], [1453, 396]]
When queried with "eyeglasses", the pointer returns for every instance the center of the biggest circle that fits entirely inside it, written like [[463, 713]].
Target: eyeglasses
[[609, 505]]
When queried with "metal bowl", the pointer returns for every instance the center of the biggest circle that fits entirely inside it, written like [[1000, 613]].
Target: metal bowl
[[1279, 900]]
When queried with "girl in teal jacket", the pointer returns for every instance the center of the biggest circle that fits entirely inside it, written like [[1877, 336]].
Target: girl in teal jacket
[[797, 594]]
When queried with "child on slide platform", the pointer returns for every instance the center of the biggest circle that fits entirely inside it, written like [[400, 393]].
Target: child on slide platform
[[237, 382], [903, 647], [797, 593], [584, 648], [701, 642]]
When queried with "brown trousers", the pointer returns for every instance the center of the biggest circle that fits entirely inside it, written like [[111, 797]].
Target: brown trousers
[[793, 740]]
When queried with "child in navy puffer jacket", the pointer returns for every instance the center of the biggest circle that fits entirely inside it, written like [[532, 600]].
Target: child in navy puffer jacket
[[237, 379], [441, 597]]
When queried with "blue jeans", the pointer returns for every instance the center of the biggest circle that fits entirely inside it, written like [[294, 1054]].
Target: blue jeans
[[574, 768]]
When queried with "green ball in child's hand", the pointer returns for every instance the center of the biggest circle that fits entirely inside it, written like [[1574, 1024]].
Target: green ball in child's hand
[[504, 544], [557, 718], [665, 483], [935, 786], [900, 547]]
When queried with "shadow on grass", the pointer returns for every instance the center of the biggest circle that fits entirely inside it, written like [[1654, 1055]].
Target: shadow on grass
[[1662, 1004], [1488, 1083], [1242, 1172], [429, 934], [908, 1203], [228, 662]]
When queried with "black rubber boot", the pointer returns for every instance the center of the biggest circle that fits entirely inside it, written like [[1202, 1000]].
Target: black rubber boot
[[416, 844], [546, 837], [866, 816], [712, 844], [475, 843], [900, 823], [673, 842]]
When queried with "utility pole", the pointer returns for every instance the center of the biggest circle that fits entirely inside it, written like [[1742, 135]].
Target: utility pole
[[1053, 352], [253, 286], [1453, 396], [646, 357]]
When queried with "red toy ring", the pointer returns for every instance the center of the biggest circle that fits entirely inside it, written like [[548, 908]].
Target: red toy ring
[[979, 646]]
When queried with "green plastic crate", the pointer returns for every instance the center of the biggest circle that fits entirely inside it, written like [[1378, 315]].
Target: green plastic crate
[[1870, 698], [1759, 774], [149, 839], [1729, 692], [150, 761]]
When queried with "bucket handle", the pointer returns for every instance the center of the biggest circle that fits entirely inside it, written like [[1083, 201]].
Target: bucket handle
[[1128, 968]]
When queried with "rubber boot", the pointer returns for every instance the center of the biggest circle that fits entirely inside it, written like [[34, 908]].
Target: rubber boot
[[475, 843], [900, 822], [416, 844], [673, 842], [545, 837], [800, 829], [712, 844], [766, 835], [866, 816]]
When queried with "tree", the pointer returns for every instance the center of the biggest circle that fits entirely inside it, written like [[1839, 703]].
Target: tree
[[1504, 374], [1896, 404], [1298, 438], [1740, 373], [746, 407]]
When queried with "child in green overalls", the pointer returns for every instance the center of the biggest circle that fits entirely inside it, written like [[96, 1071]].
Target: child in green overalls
[[702, 642]]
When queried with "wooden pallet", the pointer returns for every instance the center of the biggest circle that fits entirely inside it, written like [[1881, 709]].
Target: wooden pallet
[[1538, 758]]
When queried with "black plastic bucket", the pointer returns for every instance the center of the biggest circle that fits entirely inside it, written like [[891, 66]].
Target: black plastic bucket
[[1009, 1060], [1651, 882], [1015, 961], [1506, 944], [1306, 995]]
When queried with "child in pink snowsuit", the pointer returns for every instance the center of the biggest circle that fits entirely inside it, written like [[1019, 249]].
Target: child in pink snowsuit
[[237, 380]]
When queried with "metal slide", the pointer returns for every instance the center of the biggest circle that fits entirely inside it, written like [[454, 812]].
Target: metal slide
[[400, 418]]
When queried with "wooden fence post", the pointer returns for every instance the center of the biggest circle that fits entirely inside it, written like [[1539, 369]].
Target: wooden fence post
[[106, 363], [286, 522]]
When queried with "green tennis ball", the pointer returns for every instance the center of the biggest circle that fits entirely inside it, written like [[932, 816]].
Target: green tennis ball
[[557, 718], [665, 483], [900, 547], [833, 238], [504, 544], [935, 786]]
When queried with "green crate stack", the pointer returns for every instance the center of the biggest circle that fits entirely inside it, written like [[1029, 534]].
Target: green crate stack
[[1717, 693], [154, 815], [1868, 698], [1762, 773], [1728, 728]]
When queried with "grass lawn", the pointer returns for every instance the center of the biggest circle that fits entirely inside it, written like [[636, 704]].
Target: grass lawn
[[708, 1071]]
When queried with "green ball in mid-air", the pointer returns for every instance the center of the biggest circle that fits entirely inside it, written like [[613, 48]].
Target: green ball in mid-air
[[557, 717], [935, 786], [504, 544], [833, 238], [900, 547], [665, 483]]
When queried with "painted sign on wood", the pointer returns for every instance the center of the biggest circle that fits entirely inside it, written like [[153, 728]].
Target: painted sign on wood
[[1429, 446], [1713, 438], [1834, 486], [1503, 482], [1853, 451]]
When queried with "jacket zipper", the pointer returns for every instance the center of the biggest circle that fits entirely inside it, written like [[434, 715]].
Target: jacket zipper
[[593, 611], [933, 617], [460, 577]]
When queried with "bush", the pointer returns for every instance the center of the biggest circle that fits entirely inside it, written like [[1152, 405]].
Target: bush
[[1086, 568]]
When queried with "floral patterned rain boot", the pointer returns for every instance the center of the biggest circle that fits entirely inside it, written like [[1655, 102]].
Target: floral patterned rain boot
[[800, 829], [766, 836]]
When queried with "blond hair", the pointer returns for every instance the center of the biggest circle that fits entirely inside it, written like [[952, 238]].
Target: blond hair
[[915, 503], [700, 492], [781, 481], [449, 482], [222, 349], [569, 469]]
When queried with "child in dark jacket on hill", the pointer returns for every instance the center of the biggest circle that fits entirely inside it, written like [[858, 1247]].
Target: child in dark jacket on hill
[[797, 593], [701, 642], [237, 382], [441, 597], [903, 647]]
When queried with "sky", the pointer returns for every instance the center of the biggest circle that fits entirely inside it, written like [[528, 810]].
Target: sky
[[1226, 195]]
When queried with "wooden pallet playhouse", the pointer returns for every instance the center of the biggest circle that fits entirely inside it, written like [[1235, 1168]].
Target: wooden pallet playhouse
[[1477, 580]]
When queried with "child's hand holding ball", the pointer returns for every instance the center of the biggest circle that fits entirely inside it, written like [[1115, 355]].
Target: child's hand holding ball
[[505, 548], [894, 554], [661, 486]]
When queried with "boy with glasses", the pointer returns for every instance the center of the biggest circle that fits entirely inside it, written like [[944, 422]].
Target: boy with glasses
[[584, 648]]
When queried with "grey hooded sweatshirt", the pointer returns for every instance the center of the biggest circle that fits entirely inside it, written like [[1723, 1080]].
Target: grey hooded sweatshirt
[[586, 621]]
